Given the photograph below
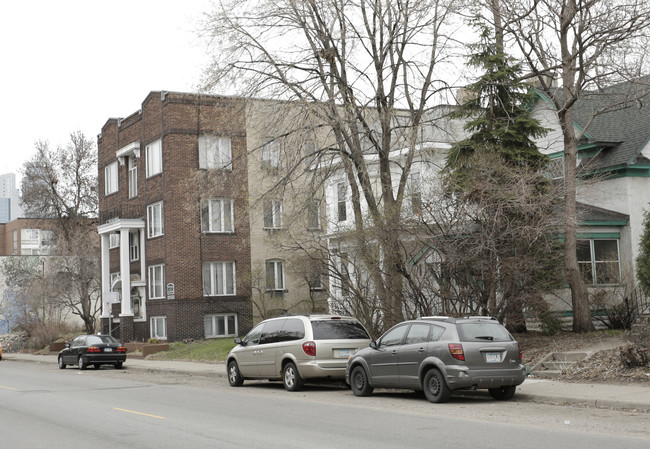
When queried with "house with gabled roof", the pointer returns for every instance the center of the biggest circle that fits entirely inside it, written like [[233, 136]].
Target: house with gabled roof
[[614, 168]]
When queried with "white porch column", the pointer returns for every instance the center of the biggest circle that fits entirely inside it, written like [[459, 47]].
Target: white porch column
[[125, 273], [106, 274], [143, 266]]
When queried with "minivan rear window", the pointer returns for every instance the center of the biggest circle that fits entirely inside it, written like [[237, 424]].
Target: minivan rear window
[[338, 330], [483, 331]]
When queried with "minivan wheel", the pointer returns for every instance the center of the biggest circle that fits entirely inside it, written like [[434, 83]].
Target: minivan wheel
[[359, 382], [504, 393], [435, 387], [291, 377], [235, 378]]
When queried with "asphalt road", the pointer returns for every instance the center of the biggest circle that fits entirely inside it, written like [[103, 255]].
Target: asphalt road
[[44, 407]]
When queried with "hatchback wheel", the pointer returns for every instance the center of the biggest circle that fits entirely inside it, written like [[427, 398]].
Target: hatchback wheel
[[61, 364], [81, 363], [435, 387], [291, 377], [359, 382], [503, 393], [235, 378]]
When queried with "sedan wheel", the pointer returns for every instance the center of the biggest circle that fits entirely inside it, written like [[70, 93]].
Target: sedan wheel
[[81, 363], [118, 365], [291, 378], [503, 393], [61, 364], [435, 387], [359, 382], [235, 378]]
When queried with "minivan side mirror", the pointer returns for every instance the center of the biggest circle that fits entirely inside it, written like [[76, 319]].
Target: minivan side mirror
[[373, 344], [238, 341]]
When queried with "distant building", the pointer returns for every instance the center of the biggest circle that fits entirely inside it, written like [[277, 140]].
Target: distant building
[[10, 208]]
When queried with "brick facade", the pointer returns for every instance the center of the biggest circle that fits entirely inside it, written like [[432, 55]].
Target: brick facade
[[178, 120]]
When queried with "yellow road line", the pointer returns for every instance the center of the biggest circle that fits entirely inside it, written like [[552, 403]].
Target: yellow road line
[[138, 413], [7, 388]]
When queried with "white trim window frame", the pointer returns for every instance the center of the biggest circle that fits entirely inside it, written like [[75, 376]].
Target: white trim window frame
[[215, 152], [220, 325], [113, 240], [313, 215], [275, 275], [602, 264], [155, 220], [342, 203], [219, 278], [217, 215], [158, 327], [133, 177], [153, 156], [134, 246], [111, 182], [273, 214], [271, 154], [156, 281]]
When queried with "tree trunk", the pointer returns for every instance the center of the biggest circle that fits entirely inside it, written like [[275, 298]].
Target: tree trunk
[[582, 321]]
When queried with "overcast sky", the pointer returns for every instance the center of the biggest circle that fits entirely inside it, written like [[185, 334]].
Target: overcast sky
[[71, 65]]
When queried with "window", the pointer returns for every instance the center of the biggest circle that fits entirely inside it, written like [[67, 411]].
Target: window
[[158, 327], [215, 152], [217, 215], [15, 241], [218, 278], [341, 193], [153, 154], [344, 273], [113, 240], [156, 281], [310, 151], [30, 242], [313, 214], [599, 261], [134, 246], [415, 192], [155, 224], [314, 279], [271, 154], [221, 325], [133, 177], [394, 336], [110, 178], [555, 168], [272, 214], [418, 333], [274, 275]]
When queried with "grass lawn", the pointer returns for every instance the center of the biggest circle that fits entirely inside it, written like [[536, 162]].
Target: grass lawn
[[213, 350]]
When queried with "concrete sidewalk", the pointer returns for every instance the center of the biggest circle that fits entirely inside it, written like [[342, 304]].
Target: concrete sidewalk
[[633, 396]]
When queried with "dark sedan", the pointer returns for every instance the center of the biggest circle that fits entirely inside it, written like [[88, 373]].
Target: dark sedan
[[95, 350]]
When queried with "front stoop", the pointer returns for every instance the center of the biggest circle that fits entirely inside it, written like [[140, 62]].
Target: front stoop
[[556, 363]]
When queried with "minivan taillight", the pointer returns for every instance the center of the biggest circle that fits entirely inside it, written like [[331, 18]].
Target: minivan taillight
[[456, 351], [309, 347], [520, 354]]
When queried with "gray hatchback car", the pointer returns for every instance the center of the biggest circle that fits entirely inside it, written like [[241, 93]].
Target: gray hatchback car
[[296, 348], [438, 355]]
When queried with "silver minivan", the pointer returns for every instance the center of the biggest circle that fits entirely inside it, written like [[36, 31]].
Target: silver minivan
[[296, 348]]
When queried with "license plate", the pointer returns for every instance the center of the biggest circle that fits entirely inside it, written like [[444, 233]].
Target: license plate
[[345, 352], [108, 349], [493, 357]]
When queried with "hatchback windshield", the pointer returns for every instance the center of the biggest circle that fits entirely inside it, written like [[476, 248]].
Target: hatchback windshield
[[487, 331], [338, 329]]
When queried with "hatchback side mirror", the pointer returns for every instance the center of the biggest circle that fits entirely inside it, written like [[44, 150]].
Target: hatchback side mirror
[[238, 340]]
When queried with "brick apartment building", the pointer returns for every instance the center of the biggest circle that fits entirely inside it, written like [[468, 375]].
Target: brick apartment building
[[25, 237], [173, 263]]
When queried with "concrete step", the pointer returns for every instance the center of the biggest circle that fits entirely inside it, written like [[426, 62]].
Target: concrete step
[[556, 363]]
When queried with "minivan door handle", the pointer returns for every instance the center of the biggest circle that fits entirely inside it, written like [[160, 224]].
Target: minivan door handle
[[420, 349]]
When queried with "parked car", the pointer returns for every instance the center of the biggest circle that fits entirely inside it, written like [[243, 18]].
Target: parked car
[[0, 351], [95, 350], [439, 355], [296, 348]]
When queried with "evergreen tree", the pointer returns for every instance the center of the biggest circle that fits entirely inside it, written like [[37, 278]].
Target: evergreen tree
[[498, 112], [643, 259]]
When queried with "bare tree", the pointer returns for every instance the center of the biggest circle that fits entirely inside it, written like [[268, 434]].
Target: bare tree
[[61, 186], [367, 71], [583, 45]]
